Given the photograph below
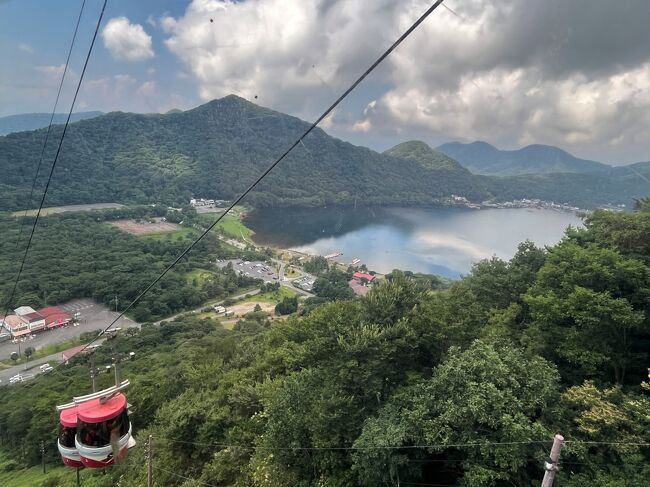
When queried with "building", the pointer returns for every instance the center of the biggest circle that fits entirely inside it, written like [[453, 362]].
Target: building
[[35, 321], [358, 288], [360, 276], [71, 352], [54, 317], [26, 320], [16, 325], [24, 310]]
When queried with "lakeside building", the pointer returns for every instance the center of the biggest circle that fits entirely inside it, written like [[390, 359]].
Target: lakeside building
[[360, 276], [361, 283]]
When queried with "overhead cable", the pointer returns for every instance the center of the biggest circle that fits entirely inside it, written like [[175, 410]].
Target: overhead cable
[[298, 141], [56, 156]]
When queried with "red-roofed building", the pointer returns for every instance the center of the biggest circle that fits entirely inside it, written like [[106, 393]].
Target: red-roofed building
[[358, 288], [358, 276], [71, 352], [55, 316]]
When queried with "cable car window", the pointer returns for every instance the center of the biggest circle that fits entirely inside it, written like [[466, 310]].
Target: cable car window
[[92, 434], [66, 436]]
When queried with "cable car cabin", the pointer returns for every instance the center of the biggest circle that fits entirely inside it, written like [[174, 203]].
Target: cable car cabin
[[66, 443], [95, 429], [103, 430]]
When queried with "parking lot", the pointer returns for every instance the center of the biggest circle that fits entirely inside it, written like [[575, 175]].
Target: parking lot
[[256, 269], [92, 316]]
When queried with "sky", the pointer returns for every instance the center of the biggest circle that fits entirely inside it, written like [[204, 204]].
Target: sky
[[575, 74]]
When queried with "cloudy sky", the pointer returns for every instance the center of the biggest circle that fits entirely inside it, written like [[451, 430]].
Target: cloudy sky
[[575, 74]]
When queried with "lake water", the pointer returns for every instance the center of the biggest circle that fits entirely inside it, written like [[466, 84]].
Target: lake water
[[443, 241]]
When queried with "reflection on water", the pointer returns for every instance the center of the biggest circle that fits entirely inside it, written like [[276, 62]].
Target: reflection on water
[[445, 241]]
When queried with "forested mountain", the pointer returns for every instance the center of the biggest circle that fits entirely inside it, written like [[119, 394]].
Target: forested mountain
[[410, 385], [483, 158], [427, 157], [33, 121], [216, 150]]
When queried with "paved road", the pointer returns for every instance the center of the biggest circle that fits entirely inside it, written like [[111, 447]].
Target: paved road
[[92, 316], [32, 368]]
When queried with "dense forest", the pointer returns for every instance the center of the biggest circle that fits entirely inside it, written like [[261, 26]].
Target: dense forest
[[216, 150], [411, 385], [79, 255]]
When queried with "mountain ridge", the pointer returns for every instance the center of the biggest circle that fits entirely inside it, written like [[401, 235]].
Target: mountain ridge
[[32, 121], [217, 149], [483, 158]]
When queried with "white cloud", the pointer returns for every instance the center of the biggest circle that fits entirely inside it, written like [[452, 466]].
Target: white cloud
[[151, 21], [510, 72], [126, 41], [362, 126], [26, 48], [147, 88], [52, 73]]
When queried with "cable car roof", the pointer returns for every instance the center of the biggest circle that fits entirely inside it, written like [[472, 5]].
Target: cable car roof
[[68, 417], [95, 412]]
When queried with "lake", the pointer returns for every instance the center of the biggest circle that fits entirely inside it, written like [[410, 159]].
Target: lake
[[443, 241]]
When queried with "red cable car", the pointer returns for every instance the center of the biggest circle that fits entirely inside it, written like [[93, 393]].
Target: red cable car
[[66, 442], [103, 431]]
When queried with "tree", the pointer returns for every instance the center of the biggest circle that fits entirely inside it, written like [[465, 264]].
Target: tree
[[287, 306], [487, 393], [29, 351], [587, 313], [14, 356], [316, 265]]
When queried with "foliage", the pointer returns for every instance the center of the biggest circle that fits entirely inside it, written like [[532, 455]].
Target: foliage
[[333, 285], [411, 384], [316, 265], [101, 262], [287, 306], [216, 150]]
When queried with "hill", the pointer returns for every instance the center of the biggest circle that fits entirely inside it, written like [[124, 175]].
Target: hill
[[33, 121], [483, 158], [427, 157], [217, 149]]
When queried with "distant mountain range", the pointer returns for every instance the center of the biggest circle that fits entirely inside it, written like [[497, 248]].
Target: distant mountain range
[[483, 158], [217, 149], [33, 121]]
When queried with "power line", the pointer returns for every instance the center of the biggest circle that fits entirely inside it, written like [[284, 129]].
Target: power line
[[372, 67], [49, 127], [58, 152], [183, 477], [361, 448]]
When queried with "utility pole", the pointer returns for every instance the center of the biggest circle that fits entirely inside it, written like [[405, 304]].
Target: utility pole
[[43, 455], [550, 465], [116, 303], [149, 452], [93, 372]]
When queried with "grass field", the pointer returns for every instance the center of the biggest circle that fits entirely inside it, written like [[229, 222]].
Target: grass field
[[274, 297], [181, 233], [231, 224], [14, 475], [290, 272], [201, 275]]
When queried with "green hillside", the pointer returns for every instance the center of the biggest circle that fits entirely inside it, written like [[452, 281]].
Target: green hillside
[[457, 386], [216, 150]]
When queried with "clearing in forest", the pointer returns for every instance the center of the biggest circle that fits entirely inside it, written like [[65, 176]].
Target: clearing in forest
[[143, 228]]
